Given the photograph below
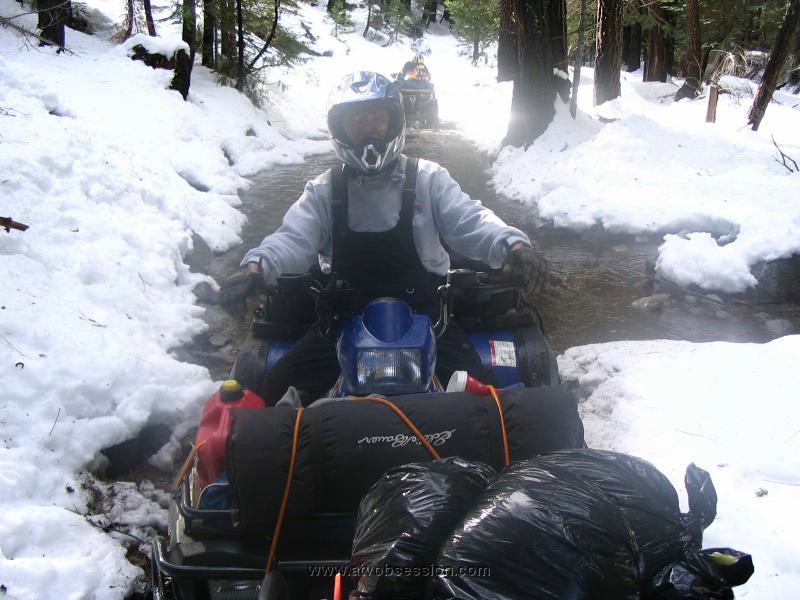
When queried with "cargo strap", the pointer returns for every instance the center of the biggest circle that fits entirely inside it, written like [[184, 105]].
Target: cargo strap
[[506, 452], [436, 456], [188, 463], [276, 534]]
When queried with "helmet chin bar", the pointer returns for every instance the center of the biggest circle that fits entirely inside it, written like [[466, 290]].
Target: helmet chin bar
[[371, 158]]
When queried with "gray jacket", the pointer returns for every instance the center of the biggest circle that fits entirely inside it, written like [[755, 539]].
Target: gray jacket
[[441, 210]]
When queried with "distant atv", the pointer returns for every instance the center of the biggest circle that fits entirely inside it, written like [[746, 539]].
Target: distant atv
[[419, 102]]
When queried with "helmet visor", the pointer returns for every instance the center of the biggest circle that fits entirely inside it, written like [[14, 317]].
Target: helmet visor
[[357, 122]]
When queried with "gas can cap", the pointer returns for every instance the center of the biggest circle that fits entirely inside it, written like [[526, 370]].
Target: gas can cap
[[230, 390]]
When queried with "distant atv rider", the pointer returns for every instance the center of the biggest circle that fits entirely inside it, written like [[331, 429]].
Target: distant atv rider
[[377, 221], [416, 69]]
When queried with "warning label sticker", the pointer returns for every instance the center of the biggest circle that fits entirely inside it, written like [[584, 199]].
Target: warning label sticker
[[503, 354]]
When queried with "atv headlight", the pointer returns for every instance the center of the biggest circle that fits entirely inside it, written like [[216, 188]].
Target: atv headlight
[[389, 367]]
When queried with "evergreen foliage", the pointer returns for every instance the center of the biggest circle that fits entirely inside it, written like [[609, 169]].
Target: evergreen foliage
[[388, 19], [476, 22], [341, 18], [258, 17], [590, 30]]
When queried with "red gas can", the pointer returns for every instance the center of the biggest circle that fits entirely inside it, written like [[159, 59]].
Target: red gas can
[[215, 425]]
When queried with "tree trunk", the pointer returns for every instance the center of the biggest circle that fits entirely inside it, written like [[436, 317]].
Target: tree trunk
[[704, 64], [534, 94], [53, 15], [777, 59], [557, 28], [656, 65], [576, 75], [632, 43], [131, 19], [331, 4], [476, 51], [240, 37], [369, 17], [609, 51], [190, 26], [183, 73], [148, 17], [209, 24], [627, 32], [507, 65], [183, 70], [429, 12], [227, 24], [693, 85]]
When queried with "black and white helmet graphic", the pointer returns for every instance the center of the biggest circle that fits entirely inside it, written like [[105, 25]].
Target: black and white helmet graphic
[[355, 97]]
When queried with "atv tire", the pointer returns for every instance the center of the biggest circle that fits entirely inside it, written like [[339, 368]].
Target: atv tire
[[432, 115]]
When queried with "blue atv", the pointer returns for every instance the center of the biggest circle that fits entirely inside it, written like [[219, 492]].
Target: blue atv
[[504, 328], [419, 102], [267, 501]]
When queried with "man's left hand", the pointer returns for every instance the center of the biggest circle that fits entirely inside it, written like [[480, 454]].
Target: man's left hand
[[524, 261], [235, 289]]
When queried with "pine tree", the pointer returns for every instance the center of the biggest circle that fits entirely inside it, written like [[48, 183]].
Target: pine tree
[[341, 18], [609, 51], [659, 51], [477, 22], [693, 85], [784, 43], [539, 32]]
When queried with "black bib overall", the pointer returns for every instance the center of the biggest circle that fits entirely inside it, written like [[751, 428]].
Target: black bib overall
[[382, 263]]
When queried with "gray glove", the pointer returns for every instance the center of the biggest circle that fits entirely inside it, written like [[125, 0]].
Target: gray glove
[[236, 288], [525, 262]]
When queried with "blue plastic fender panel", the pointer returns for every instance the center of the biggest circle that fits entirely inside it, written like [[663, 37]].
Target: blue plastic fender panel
[[498, 352]]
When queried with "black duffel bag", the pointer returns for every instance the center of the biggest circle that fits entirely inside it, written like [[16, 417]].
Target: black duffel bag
[[345, 445]]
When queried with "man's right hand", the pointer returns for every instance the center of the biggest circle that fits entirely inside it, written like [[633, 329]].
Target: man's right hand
[[236, 288]]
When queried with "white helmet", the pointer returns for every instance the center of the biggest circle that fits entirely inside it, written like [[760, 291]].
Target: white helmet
[[357, 91]]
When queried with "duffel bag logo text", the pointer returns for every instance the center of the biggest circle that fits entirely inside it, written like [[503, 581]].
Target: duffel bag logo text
[[400, 439]]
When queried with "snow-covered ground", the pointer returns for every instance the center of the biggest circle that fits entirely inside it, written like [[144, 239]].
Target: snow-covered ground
[[114, 173]]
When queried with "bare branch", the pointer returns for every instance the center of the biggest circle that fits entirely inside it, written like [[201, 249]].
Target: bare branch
[[64, 4], [10, 345], [269, 37], [6, 22], [784, 158], [58, 414]]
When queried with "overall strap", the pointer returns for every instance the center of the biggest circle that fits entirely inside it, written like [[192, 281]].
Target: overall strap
[[409, 189], [338, 208]]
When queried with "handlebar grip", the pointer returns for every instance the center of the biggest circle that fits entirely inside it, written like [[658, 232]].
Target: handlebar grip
[[498, 278]]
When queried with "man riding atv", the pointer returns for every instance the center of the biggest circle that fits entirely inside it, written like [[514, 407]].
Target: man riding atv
[[378, 221], [416, 69], [417, 93]]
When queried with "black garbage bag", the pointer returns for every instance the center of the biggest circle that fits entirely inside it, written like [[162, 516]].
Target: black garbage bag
[[405, 517], [647, 500], [540, 531], [702, 501], [702, 575]]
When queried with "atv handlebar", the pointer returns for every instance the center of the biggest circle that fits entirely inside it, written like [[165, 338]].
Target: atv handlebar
[[336, 299], [477, 285]]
